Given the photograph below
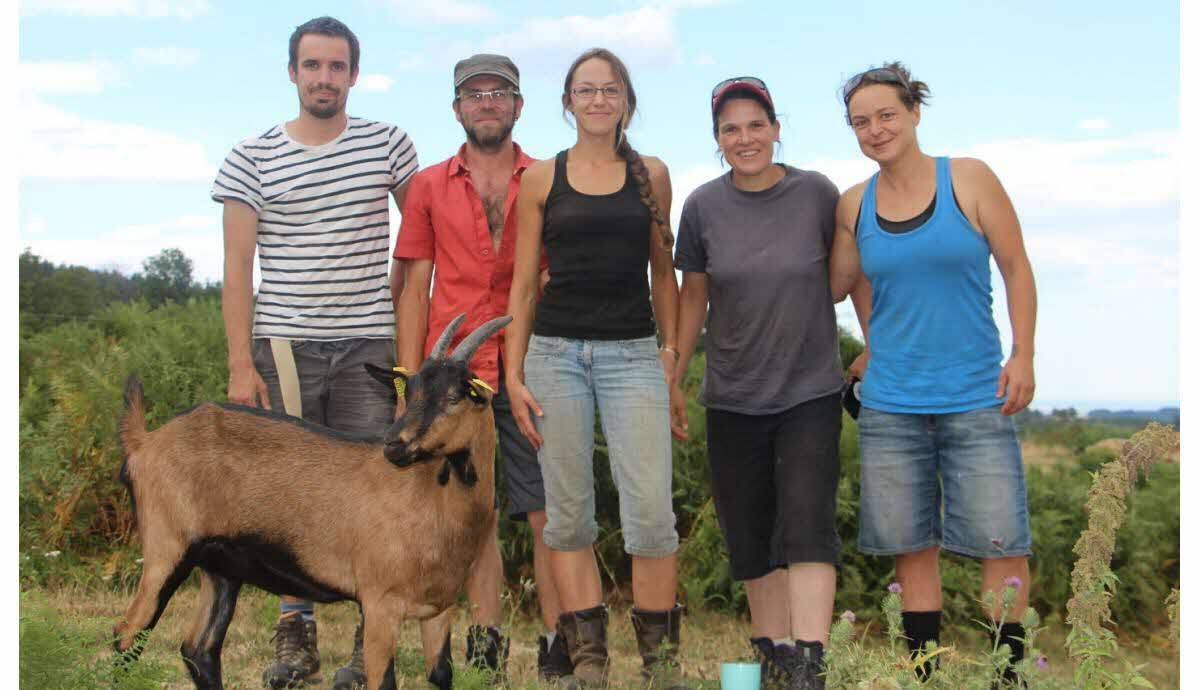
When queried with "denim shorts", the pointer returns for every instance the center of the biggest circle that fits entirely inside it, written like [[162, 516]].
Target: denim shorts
[[953, 480], [623, 380]]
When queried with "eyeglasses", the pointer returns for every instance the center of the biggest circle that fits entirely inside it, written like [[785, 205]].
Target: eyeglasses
[[884, 75], [752, 83], [477, 97], [587, 93]]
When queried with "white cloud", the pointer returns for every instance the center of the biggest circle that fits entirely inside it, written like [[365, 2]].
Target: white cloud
[[180, 9], [374, 82], [410, 62], [169, 56], [1117, 172], [62, 145], [441, 12], [1097, 123], [704, 60], [36, 225], [66, 77], [644, 36], [125, 248]]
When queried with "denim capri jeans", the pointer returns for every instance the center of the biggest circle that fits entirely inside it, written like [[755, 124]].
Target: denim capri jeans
[[571, 379]]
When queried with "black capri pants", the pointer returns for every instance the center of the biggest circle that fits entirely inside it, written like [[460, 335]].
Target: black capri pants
[[774, 484]]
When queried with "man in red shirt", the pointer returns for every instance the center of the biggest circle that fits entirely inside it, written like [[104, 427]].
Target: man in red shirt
[[459, 217]]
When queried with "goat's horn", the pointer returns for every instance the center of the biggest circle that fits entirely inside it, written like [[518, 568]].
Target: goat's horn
[[443, 341], [471, 343]]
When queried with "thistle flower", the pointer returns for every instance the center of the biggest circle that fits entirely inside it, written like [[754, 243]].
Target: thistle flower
[[1042, 663], [848, 616], [895, 588], [1012, 581]]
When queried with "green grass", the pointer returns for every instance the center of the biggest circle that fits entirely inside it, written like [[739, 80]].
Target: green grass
[[65, 644]]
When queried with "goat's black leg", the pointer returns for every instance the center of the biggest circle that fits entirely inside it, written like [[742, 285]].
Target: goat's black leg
[[202, 649]]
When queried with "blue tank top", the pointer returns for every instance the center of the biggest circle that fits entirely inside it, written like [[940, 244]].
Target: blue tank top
[[934, 344]]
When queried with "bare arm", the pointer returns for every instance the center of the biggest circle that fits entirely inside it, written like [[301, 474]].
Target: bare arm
[[860, 296], [240, 223], [522, 296], [664, 291], [410, 295], [999, 224], [844, 265], [693, 307], [664, 294]]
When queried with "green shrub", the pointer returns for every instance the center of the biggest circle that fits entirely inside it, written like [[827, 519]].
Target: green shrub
[[61, 654]]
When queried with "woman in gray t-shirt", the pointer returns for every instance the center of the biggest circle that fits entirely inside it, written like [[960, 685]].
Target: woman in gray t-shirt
[[754, 249]]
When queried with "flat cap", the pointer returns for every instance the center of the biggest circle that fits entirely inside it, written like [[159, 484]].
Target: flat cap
[[485, 63]]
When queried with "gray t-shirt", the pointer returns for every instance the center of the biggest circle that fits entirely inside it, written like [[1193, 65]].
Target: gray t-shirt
[[772, 338]]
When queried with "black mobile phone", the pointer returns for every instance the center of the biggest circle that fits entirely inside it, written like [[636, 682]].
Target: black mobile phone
[[850, 399]]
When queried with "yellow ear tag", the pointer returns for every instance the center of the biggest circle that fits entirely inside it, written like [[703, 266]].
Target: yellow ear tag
[[480, 383], [400, 383]]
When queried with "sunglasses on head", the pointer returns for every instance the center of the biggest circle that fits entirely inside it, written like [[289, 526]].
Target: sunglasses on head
[[878, 75], [752, 83]]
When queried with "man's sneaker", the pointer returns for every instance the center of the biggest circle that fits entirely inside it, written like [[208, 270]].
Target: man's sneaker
[[297, 660], [553, 662], [352, 675]]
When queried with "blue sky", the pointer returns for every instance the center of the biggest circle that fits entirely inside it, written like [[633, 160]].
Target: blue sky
[[128, 106]]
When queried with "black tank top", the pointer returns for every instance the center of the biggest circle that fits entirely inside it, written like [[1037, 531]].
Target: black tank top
[[598, 247]]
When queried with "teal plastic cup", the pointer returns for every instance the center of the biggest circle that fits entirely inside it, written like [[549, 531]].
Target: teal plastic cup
[[740, 675]]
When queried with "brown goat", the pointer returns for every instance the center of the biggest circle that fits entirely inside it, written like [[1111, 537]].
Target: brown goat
[[256, 497]]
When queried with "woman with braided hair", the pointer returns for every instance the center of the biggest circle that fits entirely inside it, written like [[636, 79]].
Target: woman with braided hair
[[600, 211]]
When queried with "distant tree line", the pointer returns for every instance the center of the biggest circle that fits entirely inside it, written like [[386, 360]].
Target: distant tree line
[[50, 294]]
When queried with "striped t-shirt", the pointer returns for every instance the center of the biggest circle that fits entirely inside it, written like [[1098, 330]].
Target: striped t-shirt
[[323, 242]]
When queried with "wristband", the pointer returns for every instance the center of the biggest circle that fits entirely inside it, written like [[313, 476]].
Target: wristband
[[668, 348]]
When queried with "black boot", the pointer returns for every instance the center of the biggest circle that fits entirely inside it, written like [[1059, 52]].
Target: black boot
[[657, 635], [773, 674], [487, 650], [808, 666], [352, 675], [586, 635], [552, 660]]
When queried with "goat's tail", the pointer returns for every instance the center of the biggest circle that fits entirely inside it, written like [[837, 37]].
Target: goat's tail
[[132, 431]]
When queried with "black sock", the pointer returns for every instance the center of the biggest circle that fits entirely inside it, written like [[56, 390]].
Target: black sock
[[1013, 635], [921, 627]]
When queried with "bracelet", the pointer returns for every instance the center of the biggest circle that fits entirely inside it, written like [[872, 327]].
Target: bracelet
[[668, 348]]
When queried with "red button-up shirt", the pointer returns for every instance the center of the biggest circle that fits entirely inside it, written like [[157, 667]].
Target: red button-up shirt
[[444, 220]]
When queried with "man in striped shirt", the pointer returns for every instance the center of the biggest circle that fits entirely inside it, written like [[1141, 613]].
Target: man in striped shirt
[[311, 195]]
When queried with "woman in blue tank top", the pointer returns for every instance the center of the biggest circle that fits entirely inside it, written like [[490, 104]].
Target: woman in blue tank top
[[600, 211], [941, 465]]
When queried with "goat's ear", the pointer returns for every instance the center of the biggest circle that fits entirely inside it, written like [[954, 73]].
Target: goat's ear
[[385, 376]]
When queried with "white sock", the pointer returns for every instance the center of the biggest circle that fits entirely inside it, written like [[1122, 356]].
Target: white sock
[[787, 641], [549, 638]]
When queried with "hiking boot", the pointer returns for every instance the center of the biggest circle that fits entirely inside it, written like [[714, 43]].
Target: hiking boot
[[487, 650], [657, 635], [773, 675], [553, 662], [807, 662], [297, 660], [352, 675], [586, 636]]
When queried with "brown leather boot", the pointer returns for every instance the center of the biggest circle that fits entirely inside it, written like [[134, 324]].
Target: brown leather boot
[[657, 635], [586, 635]]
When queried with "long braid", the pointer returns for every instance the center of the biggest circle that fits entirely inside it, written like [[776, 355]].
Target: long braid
[[641, 175]]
